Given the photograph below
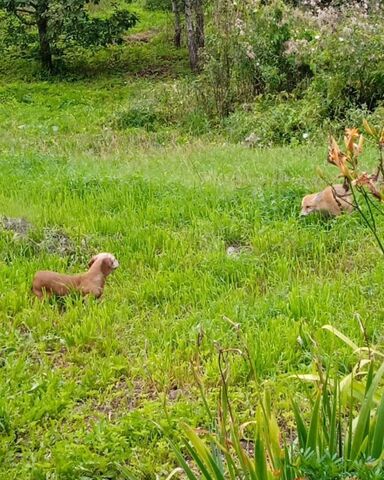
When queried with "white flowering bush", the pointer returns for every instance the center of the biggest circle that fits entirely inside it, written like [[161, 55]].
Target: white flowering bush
[[300, 64], [245, 54], [344, 50]]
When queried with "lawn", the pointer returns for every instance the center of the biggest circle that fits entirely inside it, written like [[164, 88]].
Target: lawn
[[81, 384]]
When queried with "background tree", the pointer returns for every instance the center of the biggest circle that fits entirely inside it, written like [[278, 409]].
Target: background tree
[[176, 9], [194, 24], [191, 34], [60, 23], [199, 27]]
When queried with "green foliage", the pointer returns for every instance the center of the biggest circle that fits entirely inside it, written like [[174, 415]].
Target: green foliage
[[111, 163], [141, 115], [281, 120], [87, 381], [96, 31], [165, 5], [245, 55], [170, 104], [326, 61], [58, 25], [345, 58], [343, 433]]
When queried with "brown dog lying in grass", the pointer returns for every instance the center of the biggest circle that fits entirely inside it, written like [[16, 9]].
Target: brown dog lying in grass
[[92, 282], [332, 201]]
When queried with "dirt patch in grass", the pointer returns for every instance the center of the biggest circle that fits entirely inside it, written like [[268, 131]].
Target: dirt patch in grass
[[56, 241], [19, 226]]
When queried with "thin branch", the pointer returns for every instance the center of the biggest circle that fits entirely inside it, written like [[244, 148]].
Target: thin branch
[[373, 230], [365, 195], [344, 197], [374, 204]]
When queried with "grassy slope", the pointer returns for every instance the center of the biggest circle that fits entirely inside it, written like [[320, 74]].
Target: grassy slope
[[80, 385]]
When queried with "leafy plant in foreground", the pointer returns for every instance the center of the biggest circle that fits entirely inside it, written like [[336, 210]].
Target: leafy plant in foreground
[[225, 452], [342, 432], [347, 417]]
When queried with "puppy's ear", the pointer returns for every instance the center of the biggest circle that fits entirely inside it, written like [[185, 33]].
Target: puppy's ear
[[107, 266], [92, 261]]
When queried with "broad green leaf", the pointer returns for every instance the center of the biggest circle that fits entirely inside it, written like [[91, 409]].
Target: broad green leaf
[[342, 337], [312, 439], [301, 429], [360, 430], [378, 436], [260, 459]]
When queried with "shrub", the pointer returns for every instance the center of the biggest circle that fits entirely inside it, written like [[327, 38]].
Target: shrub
[[275, 121], [328, 58], [140, 115], [343, 49], [244, 55], [165, 5]]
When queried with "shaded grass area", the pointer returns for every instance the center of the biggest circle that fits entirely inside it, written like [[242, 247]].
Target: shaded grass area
[[82, 383], [147, 52]]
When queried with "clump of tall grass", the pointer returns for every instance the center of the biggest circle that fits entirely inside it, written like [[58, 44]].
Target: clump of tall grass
[[340, 433]]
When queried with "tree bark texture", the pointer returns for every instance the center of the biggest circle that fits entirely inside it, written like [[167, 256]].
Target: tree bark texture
[[191, 37], [45, 47], [41, 8], [177, 20], [199, 27]]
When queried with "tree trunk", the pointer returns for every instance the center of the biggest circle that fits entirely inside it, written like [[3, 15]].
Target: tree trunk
[[176, 12], [192, 46], [45, 47], [199, 15]]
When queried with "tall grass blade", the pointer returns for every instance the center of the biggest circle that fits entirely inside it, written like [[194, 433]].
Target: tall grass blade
[[244, 460], [300, 425], [378, 435], [333, 421], [204, 454], [369, 379], [312, 439], [260, 459], [199, 461], [174, 472], [342, 337], [184, 465], [365, 411]]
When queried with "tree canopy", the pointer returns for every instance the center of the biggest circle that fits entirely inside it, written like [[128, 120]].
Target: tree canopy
[[61, 23]]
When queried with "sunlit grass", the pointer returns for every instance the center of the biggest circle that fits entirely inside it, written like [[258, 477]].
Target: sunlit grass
[[81, 383]]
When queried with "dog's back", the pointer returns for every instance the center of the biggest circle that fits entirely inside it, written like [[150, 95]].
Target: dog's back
[[333, 200], [47, 282], [338, 199]]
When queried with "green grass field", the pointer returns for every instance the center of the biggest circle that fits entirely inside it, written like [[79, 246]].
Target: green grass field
[[83, 384]]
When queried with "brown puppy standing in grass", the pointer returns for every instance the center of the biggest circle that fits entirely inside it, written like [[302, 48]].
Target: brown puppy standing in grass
[[92, 282], [332, 201]]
